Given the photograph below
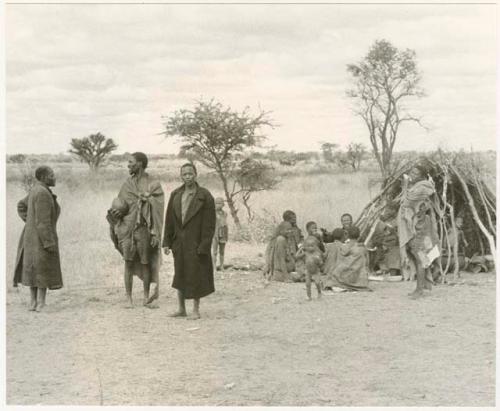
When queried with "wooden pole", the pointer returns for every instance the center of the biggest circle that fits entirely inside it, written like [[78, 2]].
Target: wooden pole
[[470, 201]]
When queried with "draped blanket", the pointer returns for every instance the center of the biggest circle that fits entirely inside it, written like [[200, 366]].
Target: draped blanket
[[417, 225], [144, 206], [351, 268], [280, 252]]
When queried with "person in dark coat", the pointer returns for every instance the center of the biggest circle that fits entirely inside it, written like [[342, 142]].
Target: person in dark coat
[[37, 263], [189, 229]]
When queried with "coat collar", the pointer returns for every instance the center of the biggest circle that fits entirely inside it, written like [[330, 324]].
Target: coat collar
[[46, 188], [195, 205]]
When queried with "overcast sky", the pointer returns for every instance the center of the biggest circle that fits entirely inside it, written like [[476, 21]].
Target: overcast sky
[[73, 70]]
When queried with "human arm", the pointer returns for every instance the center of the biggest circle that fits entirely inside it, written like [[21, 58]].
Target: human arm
[[22, 208], [168, 226]]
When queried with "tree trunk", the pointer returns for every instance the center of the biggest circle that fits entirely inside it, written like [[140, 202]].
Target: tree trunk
[[229, 200]]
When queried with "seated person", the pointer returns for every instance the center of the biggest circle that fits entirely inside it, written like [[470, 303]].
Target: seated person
[[385, 244], [331, 257], [346, 221], [312, 231], [351, 270], [281, 250]]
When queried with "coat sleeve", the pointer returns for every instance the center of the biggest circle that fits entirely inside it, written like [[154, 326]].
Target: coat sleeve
[[43, 218], [207, 225], [168, 224], [22, 208]]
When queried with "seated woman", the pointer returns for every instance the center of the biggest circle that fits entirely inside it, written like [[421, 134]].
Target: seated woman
[[351, 270], [331, 257], [281, 250], [346, 221]]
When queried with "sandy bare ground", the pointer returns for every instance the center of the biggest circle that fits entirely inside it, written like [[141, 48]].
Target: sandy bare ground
[[257, 345]]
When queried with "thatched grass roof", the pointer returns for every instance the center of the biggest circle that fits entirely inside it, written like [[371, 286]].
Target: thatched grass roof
[[461, 191]]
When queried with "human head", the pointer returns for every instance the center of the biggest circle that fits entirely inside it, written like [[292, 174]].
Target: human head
[[353, 233], [346, 221], [45, 175], [338, 234], [219, 203], [289, 216], [310, 244], [311, 228], [137, 161], [417, 172], [188, 174], [389, 212]]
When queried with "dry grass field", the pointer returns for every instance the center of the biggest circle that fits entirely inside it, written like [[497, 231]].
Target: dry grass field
[[256, 344]]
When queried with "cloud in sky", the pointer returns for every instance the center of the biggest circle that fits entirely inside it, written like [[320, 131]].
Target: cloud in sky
[[73, 70]]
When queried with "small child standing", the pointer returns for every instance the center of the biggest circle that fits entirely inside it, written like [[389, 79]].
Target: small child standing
[[310, 258], [221, 234]]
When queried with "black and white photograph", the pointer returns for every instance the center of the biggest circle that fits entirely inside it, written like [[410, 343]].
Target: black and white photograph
[[262, 204]]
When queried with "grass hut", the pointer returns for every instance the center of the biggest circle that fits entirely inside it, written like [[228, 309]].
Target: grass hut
[[461, 190]]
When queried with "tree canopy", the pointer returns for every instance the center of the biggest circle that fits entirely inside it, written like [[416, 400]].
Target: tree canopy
[[215, 135], [383, 81], [93, 149]]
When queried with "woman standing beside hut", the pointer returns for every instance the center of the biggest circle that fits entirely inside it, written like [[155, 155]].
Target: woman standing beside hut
[[417, 229]]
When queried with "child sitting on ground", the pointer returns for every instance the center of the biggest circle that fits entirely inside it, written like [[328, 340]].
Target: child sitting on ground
[[312, 259], [221, 234]]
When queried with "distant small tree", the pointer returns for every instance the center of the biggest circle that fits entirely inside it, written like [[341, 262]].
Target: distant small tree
[[215, 136], [93, 149], [328, 151], [250, 177], [341, 160], [355, 154], [17, 158]]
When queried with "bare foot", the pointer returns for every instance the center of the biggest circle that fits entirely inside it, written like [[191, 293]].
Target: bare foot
[[32, 306], [178, 314], [129, 303], [416, 294], [194, 316], [153, 297], [40, 307]]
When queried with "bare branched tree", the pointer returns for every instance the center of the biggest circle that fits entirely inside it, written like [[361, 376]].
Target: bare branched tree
[[253, 176], [383, 81], [215, 135]]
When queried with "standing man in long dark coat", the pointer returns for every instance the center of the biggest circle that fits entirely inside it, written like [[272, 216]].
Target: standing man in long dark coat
[[37, 262], [189, 230]]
